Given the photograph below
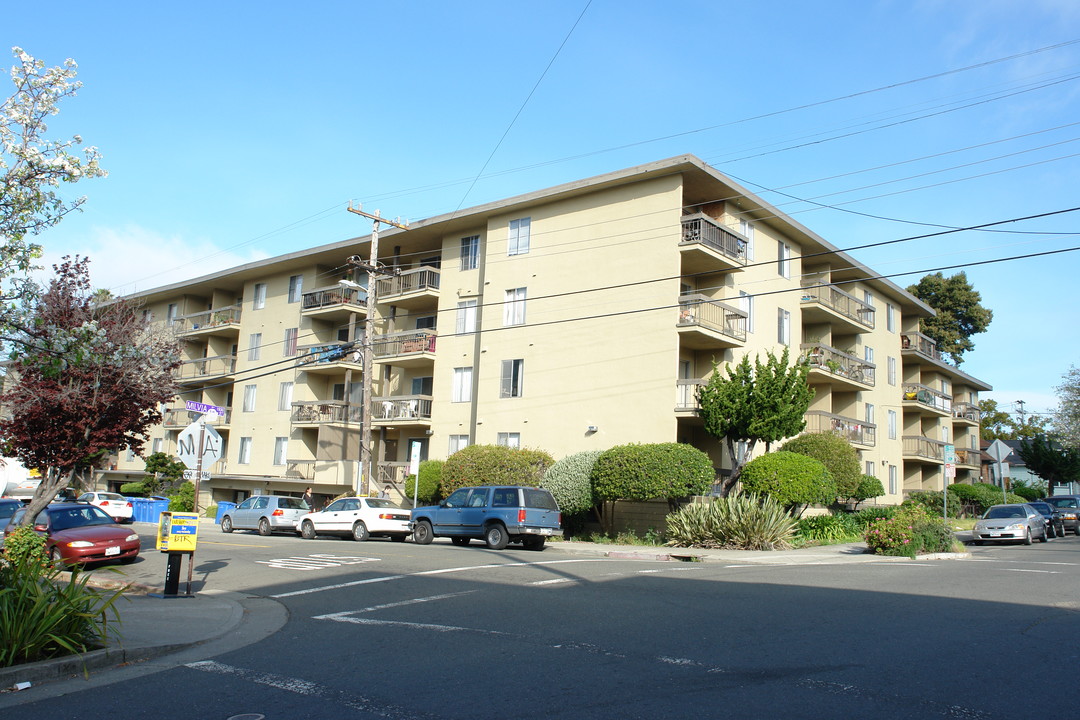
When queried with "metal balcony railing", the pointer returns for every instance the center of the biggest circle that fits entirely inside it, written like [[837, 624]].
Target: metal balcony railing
[[852, 430], [207, 319], [701, 311], [686, 394], [405, 407], [928, 396], [407, 282], [921, 344], [967, 411], [969, 457], [332, 297], [700, 228], [404, 343], [924, 447], [841, 364], [182, 417], [325, 411], [328, 353], [816, 289], [207, 367]]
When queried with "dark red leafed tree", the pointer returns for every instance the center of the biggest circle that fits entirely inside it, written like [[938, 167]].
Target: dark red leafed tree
[[85, 379]]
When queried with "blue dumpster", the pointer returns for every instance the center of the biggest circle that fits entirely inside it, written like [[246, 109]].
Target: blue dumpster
[[147, 509], [222, 508]]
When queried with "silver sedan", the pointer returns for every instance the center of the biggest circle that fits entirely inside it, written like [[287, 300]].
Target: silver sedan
[[1005, 523]]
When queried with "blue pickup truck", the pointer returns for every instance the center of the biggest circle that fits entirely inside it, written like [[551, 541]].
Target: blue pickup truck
[[496, 514]]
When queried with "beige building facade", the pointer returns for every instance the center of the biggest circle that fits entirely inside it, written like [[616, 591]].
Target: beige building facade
[[579, 317]]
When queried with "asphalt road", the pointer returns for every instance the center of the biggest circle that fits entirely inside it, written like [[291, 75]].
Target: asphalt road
[[385, 630]]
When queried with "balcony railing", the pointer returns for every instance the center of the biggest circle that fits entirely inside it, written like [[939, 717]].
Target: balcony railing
[[852, 430], [326, 353], [700, 311], [208, 319], [333, 297], [969, 457], [406, 407], [924, 447], [405, 343], [408, 282], [207, 367], [325, 411], [686, 394], [700, 228], [839, 363], [816, 290], [921, 344], [182, 417], [967, 411], [928, 396]]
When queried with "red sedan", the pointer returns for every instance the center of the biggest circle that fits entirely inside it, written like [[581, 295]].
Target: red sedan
[[77, 533]]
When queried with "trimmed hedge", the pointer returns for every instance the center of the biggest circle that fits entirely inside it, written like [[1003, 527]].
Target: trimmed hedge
[[669, 471], [793, 480], [430, 479], [837, 455], [569, 481], [493, 465]]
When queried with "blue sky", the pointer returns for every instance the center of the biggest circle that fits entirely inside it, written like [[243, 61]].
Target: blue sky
[[235, 131]]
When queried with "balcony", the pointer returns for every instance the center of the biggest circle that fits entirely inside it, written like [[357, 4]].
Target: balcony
[[208, 368], [852, 430], [411, 289], [706, 324], [829, 366], [686, 396], [411, 349], [401, 410], [329, 358], [321, 412], [926, 399], [323, 472], [181, 417], [915, 343], [823, 302], [708, 246], [968, 457], [923, 449], [220, 321], [334, 304], [967, 413]]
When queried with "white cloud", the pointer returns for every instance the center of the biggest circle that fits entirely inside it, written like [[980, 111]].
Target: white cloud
[[133, 258]]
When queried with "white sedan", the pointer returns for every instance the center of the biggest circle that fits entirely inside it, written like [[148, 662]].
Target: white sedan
[[117, 506], [358, 518]]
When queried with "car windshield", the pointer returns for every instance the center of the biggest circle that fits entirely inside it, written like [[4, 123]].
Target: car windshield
[[540, 499], [67, 518], [382, 503], [8, 509], [997, 513], [1062, 502], [110, 496], [291, 503], [1042, 507]]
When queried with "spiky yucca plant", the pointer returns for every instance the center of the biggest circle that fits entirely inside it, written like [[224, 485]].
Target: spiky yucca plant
[[745, 522]]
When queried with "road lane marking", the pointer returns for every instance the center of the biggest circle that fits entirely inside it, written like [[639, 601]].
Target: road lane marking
[[315, 562], [557, 581], [1045, 572], [414, 601]]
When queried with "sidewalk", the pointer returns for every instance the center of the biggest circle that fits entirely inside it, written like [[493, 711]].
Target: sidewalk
[[152, 627]]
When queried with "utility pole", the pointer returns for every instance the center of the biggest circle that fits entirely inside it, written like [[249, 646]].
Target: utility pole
[[366, 462], [1020, 412]]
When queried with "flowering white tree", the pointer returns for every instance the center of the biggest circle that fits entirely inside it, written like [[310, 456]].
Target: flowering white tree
[[32, 167]]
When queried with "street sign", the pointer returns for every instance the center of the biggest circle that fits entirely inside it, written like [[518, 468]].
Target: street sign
[[950, 461], [998, 450], [192, 474], [205, 409], [187, 445]]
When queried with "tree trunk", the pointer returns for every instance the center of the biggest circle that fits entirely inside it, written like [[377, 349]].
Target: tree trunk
[[52, 483]]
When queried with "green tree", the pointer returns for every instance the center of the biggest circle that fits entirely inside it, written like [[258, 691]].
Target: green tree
[[793, 480], [960, 313], [1049, 460], [837, 455], [162, 473], [995, 424], [1067, 415], [764, 402]]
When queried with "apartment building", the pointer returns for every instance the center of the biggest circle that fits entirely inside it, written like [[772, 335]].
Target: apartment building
[[573, 318]]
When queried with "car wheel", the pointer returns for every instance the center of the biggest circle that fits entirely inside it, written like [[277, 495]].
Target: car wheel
[[307, 530], [495, 536], [459, 540], [977, 542], [1045, 536], [398, 538], [1027, 537], [360, 532], [226, 524], [422, 534], [57, 557], [264, 526], [533, 542]]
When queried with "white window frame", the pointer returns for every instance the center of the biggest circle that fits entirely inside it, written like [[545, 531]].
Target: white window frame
[[254, 346], [296, 288], [512, 378], [457, 442], [746, 228], [783, 259], [155, 445], [285, 392], [868, 354], [470, 252], [890, 317], [783, 326], [892, 424], [891, 370], [466, 317], [250, 395], [281, 450], [746, 304], [292, 335], [243, 453], [508, 439], [258, 302], [171, 313], [892, 479], [518, 236], [870, 468], [870, 414], [514, 307], [462, 385]]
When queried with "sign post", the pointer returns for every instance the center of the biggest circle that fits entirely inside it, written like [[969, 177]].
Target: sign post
[[999, 451], [950, 473], [198, 446]]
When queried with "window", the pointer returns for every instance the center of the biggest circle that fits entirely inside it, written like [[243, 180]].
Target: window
[[425, 322], [170, 314], [518, 240], [422, 385], [147, 316], [284, 401], [890, 317], [281, 449], [869, 414], [156, 446], [511, 379], [249, 398], [891, 362], [259, 302], [871, 469], [783, 327], [466, 317], [514, 307], [747, 230], [244, 457], [254, 346], [512, 440], [746, 303], [130, 456], [462, 388], [470, 252], [868, 298], [783, 256], [296, 288], [868, 354], [458, 442], [892, 424], [892, 479], [946, 386], [945, 434], [290, 341]]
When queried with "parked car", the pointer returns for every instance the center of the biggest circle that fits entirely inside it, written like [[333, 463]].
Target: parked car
[[358, 518], [265, 513], [117, 506], [1069, 507], [80, 533], [495, 514], [1018, 521], [1055, 524], [7, 509]]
